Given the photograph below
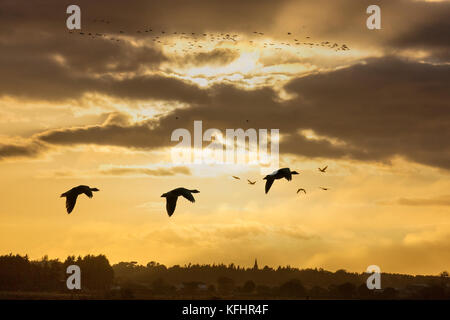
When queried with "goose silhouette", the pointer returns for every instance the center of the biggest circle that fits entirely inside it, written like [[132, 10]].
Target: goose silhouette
[[323, 169], [301, 189], [278, 174], [172, 197], [72, 195], [251, 182]]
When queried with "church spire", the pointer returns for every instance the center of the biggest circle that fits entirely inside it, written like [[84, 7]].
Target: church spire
[[255, 266]]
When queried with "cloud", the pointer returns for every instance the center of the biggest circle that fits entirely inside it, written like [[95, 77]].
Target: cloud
[[215, 57], [441, 201], [30, 149], [143, 134], [378, 110], [429, 31], [36, 46], [191, 235], [157, 172]]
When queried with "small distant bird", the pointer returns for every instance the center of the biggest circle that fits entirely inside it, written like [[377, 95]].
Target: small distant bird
[[323, 169], [237, 178], [72, 194], [172, 197], [324, 188], [301, 189], [278, 174], [251, 182]]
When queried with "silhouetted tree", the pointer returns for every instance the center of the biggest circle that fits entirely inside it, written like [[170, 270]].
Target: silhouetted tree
[[293, 288], [249, 287], [346, 290], [225, 285], [96, 272], [389, 293], [363, 292], [317, 292]]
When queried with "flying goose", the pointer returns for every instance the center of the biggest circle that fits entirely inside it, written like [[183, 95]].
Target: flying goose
[[172, 197], [301, 189], [278, 174], [323, 169], [72, 194], [251, 182], [323, 188], [237, 178]]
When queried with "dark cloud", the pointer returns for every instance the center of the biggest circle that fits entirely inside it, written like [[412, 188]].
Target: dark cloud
[[39, 59], [425, 27], [215, 57], [442, 201], [31, 149], [378, 109], [158, 172], [145, 134], [375, 110], [383, 108]]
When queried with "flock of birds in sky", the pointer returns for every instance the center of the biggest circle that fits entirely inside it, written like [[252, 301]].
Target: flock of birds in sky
[[172, 196], [197, 41]]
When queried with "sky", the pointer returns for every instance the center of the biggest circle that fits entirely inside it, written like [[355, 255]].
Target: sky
[[99, 109]]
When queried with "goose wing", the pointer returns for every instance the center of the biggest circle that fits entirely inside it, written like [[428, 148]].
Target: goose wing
[[171, 203], [288, 175], [71, 199], [188, 196], [269, 183], [88, 192]]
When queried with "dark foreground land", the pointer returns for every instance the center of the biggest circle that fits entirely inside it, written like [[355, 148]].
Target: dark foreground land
[[21, 278]]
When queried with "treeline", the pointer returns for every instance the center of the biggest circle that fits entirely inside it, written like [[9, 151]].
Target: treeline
[[283, 282], [154, 280], [19, 273]]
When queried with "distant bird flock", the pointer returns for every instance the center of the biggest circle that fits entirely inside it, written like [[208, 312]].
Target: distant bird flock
[[172, 196], [196, 41], [183, 42]]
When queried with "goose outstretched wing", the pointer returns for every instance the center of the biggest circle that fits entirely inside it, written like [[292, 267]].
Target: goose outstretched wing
[[88, 192], [269, 183], [71, 199], [288, 176], [171, 203], [188, 196]]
